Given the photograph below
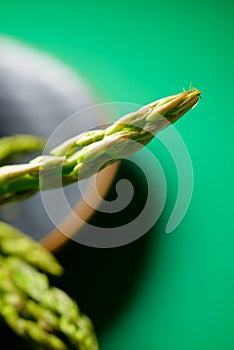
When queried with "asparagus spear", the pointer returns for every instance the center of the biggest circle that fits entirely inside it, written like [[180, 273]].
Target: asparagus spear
[[42, 314], [14, 242], [15, 145], [84, 155]]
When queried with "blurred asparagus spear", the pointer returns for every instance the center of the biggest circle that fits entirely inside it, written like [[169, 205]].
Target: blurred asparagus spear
[[42, 314], [16, 145], [84, 155]]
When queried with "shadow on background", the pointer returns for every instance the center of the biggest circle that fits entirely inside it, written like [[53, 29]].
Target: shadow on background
[[102, 281]]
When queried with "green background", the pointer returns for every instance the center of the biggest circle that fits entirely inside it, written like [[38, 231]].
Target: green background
[[130, 51]]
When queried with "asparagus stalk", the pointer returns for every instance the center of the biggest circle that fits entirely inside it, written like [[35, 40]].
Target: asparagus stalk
[[84, 155], [42, 314], [14, 242], [15, 145]]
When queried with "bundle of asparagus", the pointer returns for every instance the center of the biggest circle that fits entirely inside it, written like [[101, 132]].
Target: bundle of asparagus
[[35, 310]]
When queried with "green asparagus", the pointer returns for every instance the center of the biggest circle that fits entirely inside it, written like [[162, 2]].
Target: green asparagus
[[84, 155], [42, 314], [15, 145], [45, 315]]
